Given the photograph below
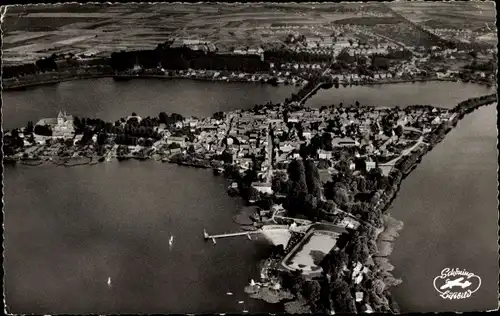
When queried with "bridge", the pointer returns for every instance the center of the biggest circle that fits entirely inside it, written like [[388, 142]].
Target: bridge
[[313, 91]]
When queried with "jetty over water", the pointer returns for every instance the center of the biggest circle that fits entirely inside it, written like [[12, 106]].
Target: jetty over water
[[245, 233], [263, 230]]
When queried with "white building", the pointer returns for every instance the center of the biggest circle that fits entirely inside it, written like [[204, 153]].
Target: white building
[[344, 142], [179, 140], [370, 165], [323, 154], [262, 187]]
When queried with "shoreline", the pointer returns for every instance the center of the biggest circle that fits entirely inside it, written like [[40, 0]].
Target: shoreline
[[21, 83], [386, 238], [13, 84], [405, 165], [25, 85]]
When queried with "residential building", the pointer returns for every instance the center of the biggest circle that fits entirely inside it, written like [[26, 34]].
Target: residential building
[[263, 187]]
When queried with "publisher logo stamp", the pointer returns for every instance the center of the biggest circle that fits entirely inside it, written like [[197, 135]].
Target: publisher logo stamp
[[456, 284]]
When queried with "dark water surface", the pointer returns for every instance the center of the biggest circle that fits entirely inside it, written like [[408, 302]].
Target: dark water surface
[[68, 229], [445, 94], [449, 208]]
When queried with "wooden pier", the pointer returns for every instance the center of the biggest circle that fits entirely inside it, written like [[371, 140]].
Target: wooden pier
[[245, 233]]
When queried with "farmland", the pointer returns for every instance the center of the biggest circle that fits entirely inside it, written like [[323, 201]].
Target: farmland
[[457, 15], [31, 32]]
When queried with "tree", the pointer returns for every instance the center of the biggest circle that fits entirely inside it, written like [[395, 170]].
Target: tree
[[342, 298], [360, 164], [29, 127], [177, 117], [361, 184], [341, 196], [359, 249], [226, 156], [218, 115], [398, 131], [102, 138], [312, 178], [296, 174], [326, 141], [312, 291], [148, 142], [44, 130], [280, 183], [253, 194], [174, 145], [163, 117]]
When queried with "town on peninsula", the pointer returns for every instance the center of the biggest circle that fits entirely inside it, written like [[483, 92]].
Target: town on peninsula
[[317, 182]]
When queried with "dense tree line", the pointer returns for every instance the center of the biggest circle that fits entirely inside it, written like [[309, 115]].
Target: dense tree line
[[19, 70], [470, 104], [43, 130], [182, 58], [304, 190], [12, 143], [51, 63], [44, 64], [337, 287]]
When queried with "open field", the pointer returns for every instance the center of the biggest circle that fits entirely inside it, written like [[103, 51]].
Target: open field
[[458, 15], [34, 31], [369, 20]]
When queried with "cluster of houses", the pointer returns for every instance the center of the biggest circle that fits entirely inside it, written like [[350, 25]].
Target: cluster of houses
[[244, 134], [464, 35], [368, 50], [248, 51], [195, 44]]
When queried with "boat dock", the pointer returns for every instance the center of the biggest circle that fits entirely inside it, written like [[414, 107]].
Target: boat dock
[[245, 233]]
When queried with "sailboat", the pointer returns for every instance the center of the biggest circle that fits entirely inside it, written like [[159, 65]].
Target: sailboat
[[171, 241], [109, 282]]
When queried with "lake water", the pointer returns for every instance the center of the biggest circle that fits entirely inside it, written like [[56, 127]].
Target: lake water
[[449, 208], [438, 93], [110, 100], [68, 229]]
